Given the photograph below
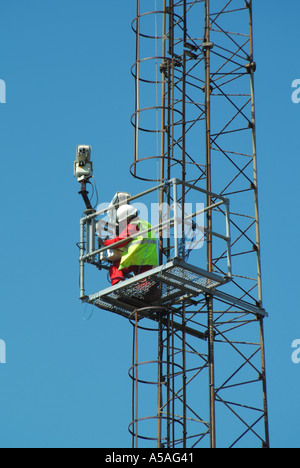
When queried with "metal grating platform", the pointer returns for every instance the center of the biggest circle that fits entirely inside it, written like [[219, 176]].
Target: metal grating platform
[[161, 286]]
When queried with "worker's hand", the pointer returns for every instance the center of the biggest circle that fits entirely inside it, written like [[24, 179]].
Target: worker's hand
[[101, 243]]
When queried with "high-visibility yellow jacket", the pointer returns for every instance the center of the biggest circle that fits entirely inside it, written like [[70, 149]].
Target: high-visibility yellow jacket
[[142, 250]]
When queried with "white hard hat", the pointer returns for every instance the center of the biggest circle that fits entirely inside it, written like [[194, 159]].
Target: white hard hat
[[125, 212]]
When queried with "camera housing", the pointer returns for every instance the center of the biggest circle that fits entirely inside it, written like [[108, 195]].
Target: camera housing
[[83, 167]]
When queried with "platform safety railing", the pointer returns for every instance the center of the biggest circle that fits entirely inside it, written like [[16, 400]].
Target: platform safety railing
[[89, 254]]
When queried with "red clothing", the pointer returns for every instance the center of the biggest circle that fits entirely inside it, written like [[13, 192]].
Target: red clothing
[[115, 274], [129, 231]]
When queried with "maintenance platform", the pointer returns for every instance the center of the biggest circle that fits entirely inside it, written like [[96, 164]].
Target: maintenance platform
[[178, 278]]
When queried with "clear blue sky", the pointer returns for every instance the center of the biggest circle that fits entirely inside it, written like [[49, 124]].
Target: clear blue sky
[[66, 65]]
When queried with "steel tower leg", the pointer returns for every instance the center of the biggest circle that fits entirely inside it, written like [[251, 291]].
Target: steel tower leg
[[209, 225], [258, 244]]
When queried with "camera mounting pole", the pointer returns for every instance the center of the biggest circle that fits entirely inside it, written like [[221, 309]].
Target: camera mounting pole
[[84, 193]]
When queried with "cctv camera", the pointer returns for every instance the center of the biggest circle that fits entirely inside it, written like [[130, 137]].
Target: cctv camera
[[83, 168]]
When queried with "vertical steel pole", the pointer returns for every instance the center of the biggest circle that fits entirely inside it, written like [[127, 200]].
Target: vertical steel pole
[[264, 383], [183, 154], [184, 401], [91, 234], [81, 263], [159, 386], [175, 197], [161, 241], [162, 150], [208, 134], [251, 70], [184, 396], [209, 225], [137, 87], [136, 379], [168, 379], [133, 387]]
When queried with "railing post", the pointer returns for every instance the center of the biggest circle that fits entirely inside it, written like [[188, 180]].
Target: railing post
[[81, 261], [176, 247]]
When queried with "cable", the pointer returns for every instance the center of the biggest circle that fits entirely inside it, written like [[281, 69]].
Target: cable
[[91, 313], [94, 186], [97, 196]]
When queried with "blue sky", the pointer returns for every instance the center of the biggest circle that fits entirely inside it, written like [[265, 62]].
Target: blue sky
[[66, 65]]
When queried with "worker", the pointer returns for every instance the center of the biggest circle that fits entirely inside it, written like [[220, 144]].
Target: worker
[[139, 252]]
